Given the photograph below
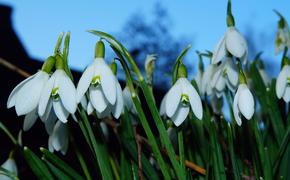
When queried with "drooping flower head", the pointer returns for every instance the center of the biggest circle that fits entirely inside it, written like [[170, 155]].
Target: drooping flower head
[[283, 34], [283, 81], [180, 99], [59, 138], [26, 95], [243, 101], [59, 94], [102, 87]]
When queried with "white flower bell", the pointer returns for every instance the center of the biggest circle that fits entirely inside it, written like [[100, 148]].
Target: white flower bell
[[232, 42], [58, 94], [26, 95], [102, 86], [59, 138], [225, 75], [283, 84], [243, 103], [9, 165], [128, 102], [283, 35]]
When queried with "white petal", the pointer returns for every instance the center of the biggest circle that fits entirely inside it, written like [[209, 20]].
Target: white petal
[[219, 51], [28, 96], [286, 96], [246, 102], [50, 122], [180, 114], [108, 83], [12, 96], [265, 77], [119, 105], [85, 81], [232, 72], [60, 136], [127, 98], [205, 83], [90, 108], [84, 102], [50, 146], [162, 106], [67, 93], [235, 42], [194, 98], [48, 110], [216, 76], [98, 99], [60, 111], [236, 108], [10, 165], [30, 119], [45, 95], [173, 99], [282, 81]]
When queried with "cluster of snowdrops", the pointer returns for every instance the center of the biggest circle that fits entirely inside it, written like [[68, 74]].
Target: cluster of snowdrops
[[51, 95]]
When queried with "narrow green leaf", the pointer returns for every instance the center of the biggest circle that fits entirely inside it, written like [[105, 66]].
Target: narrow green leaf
[[60, 164], [57, 172], [37, 166]]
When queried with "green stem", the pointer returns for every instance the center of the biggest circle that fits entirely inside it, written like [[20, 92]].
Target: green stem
[[144, 121], [114, 167], [181, 149]]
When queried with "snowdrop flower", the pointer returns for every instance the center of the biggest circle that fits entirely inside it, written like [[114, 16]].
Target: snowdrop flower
[[179, 99], [232, 42], [103, 88], [26, 95], [198, 80], [9, 165], [283, 35], [149, 67], [59, 139], [206, 87], [225, 75], [243, 103], [128, 102], [283, 84], [58, 94]]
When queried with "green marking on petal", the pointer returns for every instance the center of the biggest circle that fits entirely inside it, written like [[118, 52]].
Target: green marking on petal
[[96, 80], [225, 72], [185, 99], [54, 93]]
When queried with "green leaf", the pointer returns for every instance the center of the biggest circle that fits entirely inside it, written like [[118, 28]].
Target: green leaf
[[98, 148], [60, 164], [57, 172], [37, 166], [177, 63]]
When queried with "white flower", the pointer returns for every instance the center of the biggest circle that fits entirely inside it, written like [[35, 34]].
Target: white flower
[[225, 75], [103, 89], [282, 39], [115, 109], [206, 87], [232, 42], [10, 166], [179, 99], [25, 97], [59, 139], [128, 102], [243, 103], [58, 94], [283, 84]]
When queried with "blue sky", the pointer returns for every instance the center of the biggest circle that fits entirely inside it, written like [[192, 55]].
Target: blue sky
[[38, 23]]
